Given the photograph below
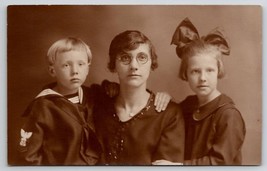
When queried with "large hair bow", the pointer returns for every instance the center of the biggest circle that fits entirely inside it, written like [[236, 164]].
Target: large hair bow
[[186, 32]]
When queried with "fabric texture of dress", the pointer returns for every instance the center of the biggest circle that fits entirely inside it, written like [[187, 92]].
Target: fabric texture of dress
[[146, 137], [59, 132], [215, 132]]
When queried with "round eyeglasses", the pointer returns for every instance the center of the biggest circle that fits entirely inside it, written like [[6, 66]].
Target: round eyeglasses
[[127, 59]]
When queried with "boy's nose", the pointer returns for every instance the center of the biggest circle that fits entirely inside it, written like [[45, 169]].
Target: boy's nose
[[74, 70]]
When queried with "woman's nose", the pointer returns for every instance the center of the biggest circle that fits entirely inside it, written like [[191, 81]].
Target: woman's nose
[[134, 64]]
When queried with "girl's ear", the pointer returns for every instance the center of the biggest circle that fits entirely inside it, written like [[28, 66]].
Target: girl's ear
[[51, 71]]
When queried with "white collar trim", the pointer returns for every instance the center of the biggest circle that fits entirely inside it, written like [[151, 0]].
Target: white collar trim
[[49, 91]]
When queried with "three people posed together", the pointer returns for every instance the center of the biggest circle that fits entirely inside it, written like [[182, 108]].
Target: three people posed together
[[71, 124]]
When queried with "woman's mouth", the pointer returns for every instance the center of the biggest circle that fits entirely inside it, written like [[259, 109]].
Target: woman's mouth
[[133, 75], [202, 86], [75, 80]]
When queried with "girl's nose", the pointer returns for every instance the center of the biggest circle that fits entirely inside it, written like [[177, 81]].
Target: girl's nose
[[203, 77]]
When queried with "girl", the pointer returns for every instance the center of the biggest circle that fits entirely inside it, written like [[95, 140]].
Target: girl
[[215, 129]]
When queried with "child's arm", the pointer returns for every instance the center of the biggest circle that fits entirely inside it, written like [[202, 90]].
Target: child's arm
[[230, 134], [162, 99], [31, 139]]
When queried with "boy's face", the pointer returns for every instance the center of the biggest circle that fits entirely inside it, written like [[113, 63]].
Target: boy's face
[[133, 67], [202, 75], [70, 70]]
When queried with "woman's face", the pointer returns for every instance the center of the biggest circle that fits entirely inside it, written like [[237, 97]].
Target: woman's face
[[133, 67]]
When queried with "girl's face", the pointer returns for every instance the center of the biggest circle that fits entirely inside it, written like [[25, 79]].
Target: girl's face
[[133, 67], [70, 69], [202, 75]]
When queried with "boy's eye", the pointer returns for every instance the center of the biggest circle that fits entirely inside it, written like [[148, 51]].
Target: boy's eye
[[65, 65]]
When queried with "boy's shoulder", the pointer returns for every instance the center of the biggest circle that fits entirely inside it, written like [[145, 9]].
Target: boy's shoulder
[[45, 98], [39, 103]]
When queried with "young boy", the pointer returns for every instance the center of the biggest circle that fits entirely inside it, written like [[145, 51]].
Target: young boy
[[60, 128], [215, 130]]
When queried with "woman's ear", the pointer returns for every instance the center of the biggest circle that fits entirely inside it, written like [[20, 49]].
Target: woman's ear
[[51, 71]]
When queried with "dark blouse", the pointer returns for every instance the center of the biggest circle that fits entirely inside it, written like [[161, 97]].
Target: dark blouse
[[63, 133], [215, 132], [146, 137]]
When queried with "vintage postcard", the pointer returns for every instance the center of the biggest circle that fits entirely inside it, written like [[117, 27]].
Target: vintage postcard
[[183, 85]]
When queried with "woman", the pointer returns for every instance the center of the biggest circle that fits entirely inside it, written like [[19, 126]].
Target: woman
[[131, 131]]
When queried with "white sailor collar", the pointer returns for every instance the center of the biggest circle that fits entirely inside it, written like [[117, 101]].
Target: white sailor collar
[[49, 91]]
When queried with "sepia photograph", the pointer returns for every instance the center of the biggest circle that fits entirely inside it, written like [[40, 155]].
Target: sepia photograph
[[134, 85]]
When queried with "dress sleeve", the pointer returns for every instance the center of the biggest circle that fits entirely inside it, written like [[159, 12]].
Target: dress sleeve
[[100, 92], [31, 138], [230, 133], [171, 143]]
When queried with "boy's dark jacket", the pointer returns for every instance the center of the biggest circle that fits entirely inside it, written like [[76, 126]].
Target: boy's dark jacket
[[63, 133]]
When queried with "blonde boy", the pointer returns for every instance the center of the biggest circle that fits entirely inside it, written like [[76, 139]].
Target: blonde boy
[[59, 128]]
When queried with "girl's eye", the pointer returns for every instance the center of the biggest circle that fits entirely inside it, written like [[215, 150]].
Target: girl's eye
[[81, 64], [195, 71], [210, 70]]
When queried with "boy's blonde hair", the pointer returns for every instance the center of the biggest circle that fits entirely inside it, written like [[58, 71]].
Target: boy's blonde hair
[[199, 46], [65, 45]]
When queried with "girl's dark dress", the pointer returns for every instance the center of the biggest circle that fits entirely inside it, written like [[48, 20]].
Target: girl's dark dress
[[146, 137], [215, 132]]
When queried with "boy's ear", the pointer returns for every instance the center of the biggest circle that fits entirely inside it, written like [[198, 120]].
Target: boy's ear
[[51, 71]]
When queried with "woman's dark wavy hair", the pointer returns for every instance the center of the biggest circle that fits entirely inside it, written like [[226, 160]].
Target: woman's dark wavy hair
[[126, 41]]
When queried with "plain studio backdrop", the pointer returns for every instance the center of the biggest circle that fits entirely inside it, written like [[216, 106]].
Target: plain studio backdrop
[[32, 30]]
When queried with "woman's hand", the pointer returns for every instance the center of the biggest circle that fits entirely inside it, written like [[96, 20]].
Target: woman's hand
[[162, 100]]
